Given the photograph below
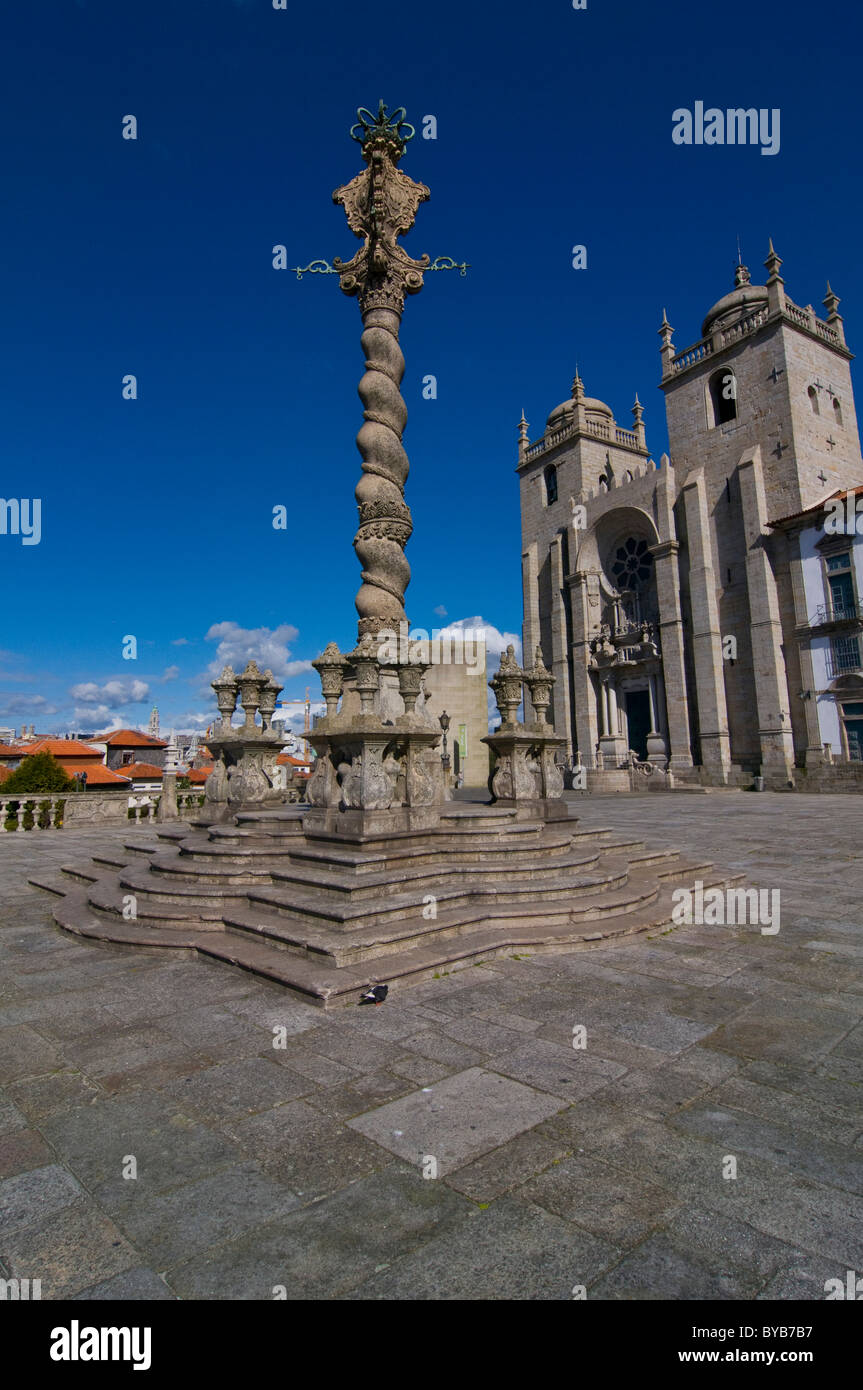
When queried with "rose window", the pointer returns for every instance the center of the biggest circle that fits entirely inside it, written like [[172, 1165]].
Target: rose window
[[632, 564]]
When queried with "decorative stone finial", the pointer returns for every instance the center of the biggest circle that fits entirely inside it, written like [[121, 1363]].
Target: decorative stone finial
[[227, 688], [741, 276], [270, 693], [637, 410], [539, 682], [665, 330], [507, 686], [364, 660], [577, 386], [523, 440], [330, 666], [772, 264]]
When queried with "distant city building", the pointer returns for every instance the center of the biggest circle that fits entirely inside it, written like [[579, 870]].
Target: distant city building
[[125, 746], [74, 757], [153, 728], [145, 777]]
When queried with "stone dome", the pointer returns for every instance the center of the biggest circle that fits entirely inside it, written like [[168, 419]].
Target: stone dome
[[561, 416], [736, 305]]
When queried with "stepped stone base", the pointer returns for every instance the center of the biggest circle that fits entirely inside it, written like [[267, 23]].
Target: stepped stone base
[[280, 893]]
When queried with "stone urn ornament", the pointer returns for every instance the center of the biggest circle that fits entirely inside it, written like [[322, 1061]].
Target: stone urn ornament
[[539, 682], [364, 660], [330, 666], [507, 686], [227, 688]]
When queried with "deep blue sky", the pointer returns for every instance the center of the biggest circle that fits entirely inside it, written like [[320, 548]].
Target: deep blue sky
[[154, 257]]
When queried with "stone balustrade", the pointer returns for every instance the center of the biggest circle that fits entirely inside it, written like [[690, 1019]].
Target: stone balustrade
[[627, 438], [705, 347], [600, 429], [37, 812], [689, 356]]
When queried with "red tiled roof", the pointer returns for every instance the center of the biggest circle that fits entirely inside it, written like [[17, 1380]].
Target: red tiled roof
[[198, 774], [298, 766], [13, 750], [63, 748], [130, 738], [142, 770], [5, 772], [97, 775]]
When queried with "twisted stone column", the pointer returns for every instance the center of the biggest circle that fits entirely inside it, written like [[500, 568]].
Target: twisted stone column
[[385, 519], [381, 204]]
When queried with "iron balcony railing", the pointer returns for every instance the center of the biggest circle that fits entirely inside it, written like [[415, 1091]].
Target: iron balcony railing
[[843, 656], [836, 613]]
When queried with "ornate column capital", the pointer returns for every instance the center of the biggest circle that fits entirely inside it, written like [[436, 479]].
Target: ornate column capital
[[381, 204]]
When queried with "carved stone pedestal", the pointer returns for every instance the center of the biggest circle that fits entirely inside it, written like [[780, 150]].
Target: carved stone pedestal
[[370, 776], [656, 750], [244, 769], [525, 773]]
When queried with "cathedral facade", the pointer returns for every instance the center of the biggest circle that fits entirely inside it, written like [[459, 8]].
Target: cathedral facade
[[667, 598]]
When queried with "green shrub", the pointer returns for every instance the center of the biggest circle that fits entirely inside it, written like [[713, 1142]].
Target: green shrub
[[38, 773]]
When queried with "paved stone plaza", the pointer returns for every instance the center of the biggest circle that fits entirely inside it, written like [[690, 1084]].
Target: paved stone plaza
[[301, 1169]]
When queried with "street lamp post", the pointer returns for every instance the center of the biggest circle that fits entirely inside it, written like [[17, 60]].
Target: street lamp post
[[444, 722]]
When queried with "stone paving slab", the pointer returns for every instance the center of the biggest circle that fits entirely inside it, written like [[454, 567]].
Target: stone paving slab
[[262, 1165], [457, 1119]]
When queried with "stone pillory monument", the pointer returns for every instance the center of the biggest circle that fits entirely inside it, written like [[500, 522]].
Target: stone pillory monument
[[380, 877]]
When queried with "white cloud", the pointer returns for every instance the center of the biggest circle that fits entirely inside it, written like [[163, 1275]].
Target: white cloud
[[111, 695], [496, 642], [440, 611], [97, 717], [25, 704], [193, 722], [170, 673], [180, 642], [268, 647]]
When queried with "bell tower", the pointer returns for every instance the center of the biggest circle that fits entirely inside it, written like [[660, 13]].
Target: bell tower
[[761, 424]]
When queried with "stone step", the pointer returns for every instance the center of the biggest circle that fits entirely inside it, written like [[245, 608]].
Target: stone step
[[341, 886], [146, 847], [314, 980], [312, 906], [329, 856], [378, 939], [110, 894], [84, 873], [54, 882], [455, 888], [116, 860]]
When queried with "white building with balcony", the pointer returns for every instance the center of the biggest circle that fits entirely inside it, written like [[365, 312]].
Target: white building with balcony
[[828, 591]]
